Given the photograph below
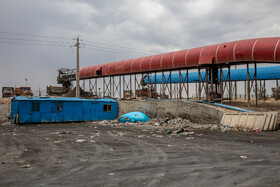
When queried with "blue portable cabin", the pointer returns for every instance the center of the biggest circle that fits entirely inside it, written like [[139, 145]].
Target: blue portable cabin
[[40, 110]]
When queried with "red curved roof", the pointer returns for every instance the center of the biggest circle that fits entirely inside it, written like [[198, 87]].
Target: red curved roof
[[251, 50]]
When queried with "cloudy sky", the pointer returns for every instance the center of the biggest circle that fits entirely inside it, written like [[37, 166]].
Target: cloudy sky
[[36, 37]]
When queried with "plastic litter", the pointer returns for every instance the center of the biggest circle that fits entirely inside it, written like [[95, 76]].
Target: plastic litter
[[80, 140], [134, 117], [243, 157], [25, 166]]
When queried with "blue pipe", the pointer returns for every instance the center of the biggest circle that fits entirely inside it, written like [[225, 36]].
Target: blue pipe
[[227, 106], [263, 73]]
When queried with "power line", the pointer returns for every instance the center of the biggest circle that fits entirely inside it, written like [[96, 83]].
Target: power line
[[32, 40], [110, 51], [33, 35], [117, 49], [98, 46], [37, 44], [129, 48]]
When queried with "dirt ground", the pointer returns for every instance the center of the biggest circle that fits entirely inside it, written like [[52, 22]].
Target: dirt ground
[[104, 154], [90, 154]]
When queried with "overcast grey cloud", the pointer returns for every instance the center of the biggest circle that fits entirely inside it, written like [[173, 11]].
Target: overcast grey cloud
[[152, 26]]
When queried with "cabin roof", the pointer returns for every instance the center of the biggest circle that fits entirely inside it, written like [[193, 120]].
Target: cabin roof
[[19, 98]]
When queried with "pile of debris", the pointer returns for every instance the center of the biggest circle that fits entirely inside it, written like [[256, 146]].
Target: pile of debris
[[72, 93], [183, 126], [160, 122]]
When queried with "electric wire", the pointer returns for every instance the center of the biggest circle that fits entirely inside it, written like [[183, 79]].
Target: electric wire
[[117, 49], [33, 35], [111, 51], [56, 42], [36, 44], [32, 40], [117, 46]]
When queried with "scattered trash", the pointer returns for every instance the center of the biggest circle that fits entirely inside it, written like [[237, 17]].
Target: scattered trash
[[243, 157], [189, 138], [84, 160], [186, 133], [258, 130], [158, 136], [65, 132], [180, 131], [59, 162], [113, 149], [92, 141], [168, 132], [214, 127], [58, 141], [112, 174], [91, 137], [25, 166], [134, 117], [80, 140]]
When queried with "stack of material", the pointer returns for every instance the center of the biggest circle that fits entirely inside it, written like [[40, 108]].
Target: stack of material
[[72, 93], [265, 121]]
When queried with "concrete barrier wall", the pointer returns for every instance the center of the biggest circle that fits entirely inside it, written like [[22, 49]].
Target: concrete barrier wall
[[195, 112]]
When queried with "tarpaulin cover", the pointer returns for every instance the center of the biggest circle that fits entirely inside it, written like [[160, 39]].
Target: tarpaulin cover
[[134, 117]]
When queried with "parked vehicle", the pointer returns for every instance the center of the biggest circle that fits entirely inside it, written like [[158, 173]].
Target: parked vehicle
[[23, 91], [7, 92]]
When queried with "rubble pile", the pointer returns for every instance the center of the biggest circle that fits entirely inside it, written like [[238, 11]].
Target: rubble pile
[[183, 126], [160, 122]]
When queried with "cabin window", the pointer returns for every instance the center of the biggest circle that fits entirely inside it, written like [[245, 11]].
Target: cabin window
[[107, 108], [59, 107], [35, 107]]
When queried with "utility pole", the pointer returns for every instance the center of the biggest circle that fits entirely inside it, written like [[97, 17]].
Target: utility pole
[[78, 70]]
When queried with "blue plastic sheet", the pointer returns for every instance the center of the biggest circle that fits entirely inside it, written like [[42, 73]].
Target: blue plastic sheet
[[134, 117]]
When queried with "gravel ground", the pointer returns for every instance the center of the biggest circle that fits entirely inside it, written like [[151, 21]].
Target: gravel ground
[[92, 154]]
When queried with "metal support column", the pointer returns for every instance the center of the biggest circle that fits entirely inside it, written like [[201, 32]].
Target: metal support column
[[188, 84], [199, 85], [113, 95], [256, 84], [103, 87], [230, 85], [277, 90], [248, 85], [206, 89], [123, 86], [170, 88], [212, 88], [221, 84], [155, 81], [135, 80], [264, 90], [180, 86], [235, 89], [142, 86]]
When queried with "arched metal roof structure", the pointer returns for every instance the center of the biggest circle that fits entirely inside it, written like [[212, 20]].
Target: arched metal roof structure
[[250, 50]]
